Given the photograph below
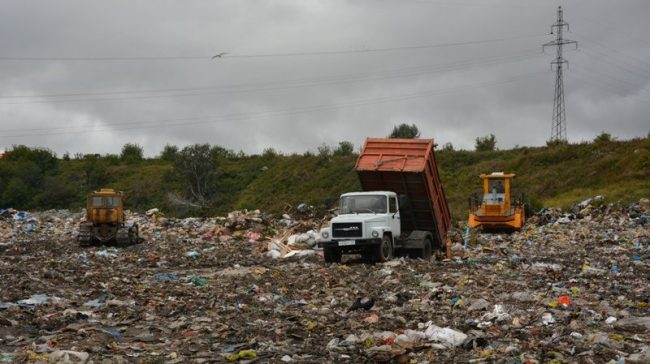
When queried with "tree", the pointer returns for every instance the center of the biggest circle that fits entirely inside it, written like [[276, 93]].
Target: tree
[[95, 172], [486, 143], [556, 142], [344, 148], [270, 153], [169, 153], [44, 159], [196, 165], [405, 131], [131, 153], [604, 138], [448, 147], [324, 151], [16, 194], [219, 153]]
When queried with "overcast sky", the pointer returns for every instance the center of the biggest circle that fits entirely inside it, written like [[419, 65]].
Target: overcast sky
[[89, 76]]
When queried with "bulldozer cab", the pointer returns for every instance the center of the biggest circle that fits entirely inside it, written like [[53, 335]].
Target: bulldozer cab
[[495, 209], [496, 192], [105, 206]]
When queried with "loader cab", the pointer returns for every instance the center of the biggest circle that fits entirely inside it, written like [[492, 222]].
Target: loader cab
[[496, 208], [496, 189]]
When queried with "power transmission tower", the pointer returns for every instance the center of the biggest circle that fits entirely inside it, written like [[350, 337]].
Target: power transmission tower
[[558, 128]]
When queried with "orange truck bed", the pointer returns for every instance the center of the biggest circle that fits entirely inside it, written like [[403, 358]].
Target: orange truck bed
[[407, 167]]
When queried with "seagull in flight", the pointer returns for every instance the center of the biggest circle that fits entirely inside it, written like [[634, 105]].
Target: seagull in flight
[[219, 55]]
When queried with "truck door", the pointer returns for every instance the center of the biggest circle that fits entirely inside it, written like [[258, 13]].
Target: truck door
[[394, 220]]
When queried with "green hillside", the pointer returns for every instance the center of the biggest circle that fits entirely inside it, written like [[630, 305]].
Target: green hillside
[[551, 176]]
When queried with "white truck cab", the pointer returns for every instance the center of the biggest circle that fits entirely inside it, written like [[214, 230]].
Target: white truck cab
[[367, 223]]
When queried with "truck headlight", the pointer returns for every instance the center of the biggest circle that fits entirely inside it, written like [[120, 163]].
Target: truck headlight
[[325, 234], [375, 234]]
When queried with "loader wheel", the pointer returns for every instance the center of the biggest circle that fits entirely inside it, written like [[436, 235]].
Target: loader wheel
[[384, 251], [332, 254]]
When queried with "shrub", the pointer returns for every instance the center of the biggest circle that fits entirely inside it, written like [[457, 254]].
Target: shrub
[[486, 143], [344, 148], [131, 153], [405, 131], [169, 153]]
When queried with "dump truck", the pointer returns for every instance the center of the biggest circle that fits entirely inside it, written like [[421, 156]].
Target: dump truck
[[402, 209], [497, 208], [105, 222]]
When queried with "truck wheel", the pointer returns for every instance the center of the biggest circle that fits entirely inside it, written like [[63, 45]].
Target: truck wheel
[[427, 250], [332, 254], [384, 251]]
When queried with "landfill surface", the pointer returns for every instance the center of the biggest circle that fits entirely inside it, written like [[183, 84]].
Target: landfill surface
[[572, 286]]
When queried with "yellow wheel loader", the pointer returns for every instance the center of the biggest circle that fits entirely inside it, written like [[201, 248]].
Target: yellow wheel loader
[[105, 221], [497, 209]]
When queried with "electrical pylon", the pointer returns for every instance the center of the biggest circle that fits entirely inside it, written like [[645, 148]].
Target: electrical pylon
[[558, 128]]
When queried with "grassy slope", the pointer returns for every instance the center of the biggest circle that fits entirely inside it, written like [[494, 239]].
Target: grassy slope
[[557, 176]]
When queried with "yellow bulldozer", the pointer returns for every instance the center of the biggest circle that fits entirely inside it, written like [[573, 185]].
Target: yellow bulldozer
[[105, 222], [496, 208]]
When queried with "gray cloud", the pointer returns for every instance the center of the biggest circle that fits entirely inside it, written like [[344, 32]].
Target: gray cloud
[[247, 101]]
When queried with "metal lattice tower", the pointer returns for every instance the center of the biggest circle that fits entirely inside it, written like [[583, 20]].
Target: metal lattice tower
[[558, 128]]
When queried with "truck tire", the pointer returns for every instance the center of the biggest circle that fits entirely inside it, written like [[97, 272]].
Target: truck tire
[[384, 251], [424, 252], [427, 249], [332, 254]]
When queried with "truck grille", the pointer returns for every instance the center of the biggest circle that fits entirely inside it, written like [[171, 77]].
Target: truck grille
[[347, 230]]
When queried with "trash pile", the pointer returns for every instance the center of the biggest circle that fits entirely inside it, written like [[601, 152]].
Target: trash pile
[[569, 287]]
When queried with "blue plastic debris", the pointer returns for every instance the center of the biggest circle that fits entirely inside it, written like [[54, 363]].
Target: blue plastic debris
[[113, 333], [96, 303], [165, 277], [20, 215], [6, 305], [36, 299]]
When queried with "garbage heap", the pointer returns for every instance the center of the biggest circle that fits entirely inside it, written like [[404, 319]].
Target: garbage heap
[[572, 286]]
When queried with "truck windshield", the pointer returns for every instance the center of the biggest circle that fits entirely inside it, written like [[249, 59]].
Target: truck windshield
[[357, 204], [100, 201]]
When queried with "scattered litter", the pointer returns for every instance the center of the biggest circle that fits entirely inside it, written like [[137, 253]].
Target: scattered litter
[[569, 287]]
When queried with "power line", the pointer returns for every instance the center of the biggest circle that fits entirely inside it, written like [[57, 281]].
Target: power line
[[243, 88], [616, 51], [269, 55], [602, 57], [597, 74], [275, 113], [609, 87]]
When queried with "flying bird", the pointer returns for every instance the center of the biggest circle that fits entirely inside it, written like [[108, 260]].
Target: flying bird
[[219, 55]]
